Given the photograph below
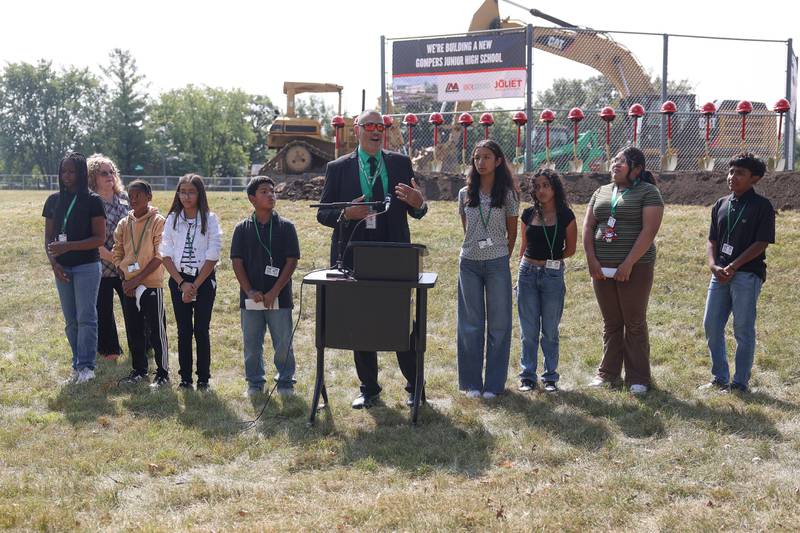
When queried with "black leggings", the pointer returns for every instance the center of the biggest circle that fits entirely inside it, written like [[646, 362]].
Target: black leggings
[[107, 338], [193, 320]]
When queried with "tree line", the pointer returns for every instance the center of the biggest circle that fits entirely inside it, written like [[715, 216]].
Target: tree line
[[46, 111]]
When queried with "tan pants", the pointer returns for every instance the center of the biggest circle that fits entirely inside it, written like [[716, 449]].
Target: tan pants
[[625, 338]]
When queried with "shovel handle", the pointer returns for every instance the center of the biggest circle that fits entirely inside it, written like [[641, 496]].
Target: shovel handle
[[547, 136], [669, 128], [708, 130], [608, 133], [635, 123], [744, 126]]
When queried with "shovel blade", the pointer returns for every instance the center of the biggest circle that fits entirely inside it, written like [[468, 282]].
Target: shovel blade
[[436, 166], [576, 166], [669, 162], [519, 168], [706, 163], [605, 166], [550, 165], [776, 164]]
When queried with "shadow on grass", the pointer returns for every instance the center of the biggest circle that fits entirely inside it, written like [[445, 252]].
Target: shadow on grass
[[435, 444], [82, 404], [210, 414]]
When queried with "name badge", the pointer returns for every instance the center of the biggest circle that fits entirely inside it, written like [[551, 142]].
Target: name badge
[[611, 222], [133, 268], [272, 271], [62, 237], [727, 249], [553, 264], [188, 270], [484, 243], [371, 222]]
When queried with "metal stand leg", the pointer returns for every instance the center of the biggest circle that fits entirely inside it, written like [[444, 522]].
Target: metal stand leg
[[319, 387], [419, 386]]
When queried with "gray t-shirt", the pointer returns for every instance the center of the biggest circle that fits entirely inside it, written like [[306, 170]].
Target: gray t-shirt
[[494, 228]]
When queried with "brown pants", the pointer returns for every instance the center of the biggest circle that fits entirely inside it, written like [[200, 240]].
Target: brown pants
[[625, 337]]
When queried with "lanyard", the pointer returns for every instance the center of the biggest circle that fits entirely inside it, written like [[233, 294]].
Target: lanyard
[[194, 233], [729, 227], [615, 200], [138, 247], [368, 181], [66, 215], [485, 221], [258, 234], [555, 232]]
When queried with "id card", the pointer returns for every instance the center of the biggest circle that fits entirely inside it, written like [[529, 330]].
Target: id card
[[133, 268], [62, 237], [371, 222], [611, 222], [553, 264], [189, 270], [272, 271], [484, 243], [727, 249]]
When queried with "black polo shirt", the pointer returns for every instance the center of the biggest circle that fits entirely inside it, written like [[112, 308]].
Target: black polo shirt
[[756, 223], [245, 245], [79, 224]]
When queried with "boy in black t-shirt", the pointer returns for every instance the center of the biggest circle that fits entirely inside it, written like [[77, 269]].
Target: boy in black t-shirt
[[742, 226], [264, 252]]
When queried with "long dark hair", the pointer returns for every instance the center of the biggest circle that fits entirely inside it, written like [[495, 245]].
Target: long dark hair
[[635, 158], [503, 182], [202, 201], [552, 176], [81, 172]]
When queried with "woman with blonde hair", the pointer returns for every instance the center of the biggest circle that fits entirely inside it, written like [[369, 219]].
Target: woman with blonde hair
[[105, 181]]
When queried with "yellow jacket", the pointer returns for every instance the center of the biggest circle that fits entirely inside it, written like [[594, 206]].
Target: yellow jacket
[[129, 232]]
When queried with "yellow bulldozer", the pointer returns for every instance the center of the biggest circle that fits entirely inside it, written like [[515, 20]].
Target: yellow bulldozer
[[299, 142]]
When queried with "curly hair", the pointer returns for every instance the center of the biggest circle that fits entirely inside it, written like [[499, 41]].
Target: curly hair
[[93, 164], [750, 161], [560, 196]]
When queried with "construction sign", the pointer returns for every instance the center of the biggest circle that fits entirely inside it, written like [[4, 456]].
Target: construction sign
[[462, 67]]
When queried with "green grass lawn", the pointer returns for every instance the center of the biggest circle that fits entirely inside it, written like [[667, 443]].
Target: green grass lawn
[[105, 457]]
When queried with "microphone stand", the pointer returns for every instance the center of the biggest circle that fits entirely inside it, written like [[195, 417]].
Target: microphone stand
[[341, 271]]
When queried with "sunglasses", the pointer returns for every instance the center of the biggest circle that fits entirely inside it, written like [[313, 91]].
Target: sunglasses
[[373, 126]]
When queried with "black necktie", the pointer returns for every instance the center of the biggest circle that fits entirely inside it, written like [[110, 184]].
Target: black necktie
[[373, 164]]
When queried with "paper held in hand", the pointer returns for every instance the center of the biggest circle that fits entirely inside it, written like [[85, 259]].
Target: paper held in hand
[[609, 272], [252, 305]]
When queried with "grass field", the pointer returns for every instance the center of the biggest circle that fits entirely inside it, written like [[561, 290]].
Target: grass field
[[103, 457]]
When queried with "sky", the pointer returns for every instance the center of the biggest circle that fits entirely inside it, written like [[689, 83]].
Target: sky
[[256, 46]]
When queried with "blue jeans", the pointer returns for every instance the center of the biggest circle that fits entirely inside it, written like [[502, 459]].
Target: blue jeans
[[79, 304], [540, 300], [254, 326], [484, 290], [739, 296]]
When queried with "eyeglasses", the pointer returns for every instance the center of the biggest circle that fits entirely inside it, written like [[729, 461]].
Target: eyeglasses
[[105, 173], [187, 193], [373, 126]]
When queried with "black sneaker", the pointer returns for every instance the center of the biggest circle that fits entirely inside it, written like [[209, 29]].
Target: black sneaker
[[738, 387], [364, 401], [186, 384], [715, 384], [133, 378], [527, 385], [550, 386], [410, 399], [160, 381], [203, 385]]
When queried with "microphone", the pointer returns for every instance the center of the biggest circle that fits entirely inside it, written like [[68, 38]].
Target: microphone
[[386, 202]]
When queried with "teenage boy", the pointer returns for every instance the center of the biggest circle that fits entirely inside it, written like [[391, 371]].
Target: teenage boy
[[742, 225], [136, 255], [264, 253]]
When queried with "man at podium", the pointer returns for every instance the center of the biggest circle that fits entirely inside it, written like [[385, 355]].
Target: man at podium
[[370, 174]]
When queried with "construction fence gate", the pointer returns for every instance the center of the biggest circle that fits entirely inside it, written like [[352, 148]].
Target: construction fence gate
[[431, 83]]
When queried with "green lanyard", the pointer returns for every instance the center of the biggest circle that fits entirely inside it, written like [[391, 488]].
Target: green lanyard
[[258, 234], [730, 228], [66, 215], [555, 232], [615, 200], [485, 221], [136, 247], [368, 181]]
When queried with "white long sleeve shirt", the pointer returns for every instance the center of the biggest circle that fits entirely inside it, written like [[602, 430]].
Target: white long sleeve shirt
[[186, 245]]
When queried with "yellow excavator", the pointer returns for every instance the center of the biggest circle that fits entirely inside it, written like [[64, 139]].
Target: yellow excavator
[[299, 141]]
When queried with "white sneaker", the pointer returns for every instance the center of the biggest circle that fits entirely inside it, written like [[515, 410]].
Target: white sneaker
[[473, 394], [489, 395], [84, 375], [639, 389], [598, 382]]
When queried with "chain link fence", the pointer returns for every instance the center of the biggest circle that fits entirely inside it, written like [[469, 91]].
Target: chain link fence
[[591, 69], [158, 183]]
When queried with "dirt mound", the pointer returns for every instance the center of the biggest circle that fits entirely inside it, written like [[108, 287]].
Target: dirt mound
[[688, 188]]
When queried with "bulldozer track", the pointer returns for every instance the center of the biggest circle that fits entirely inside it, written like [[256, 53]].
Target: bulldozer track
[[273, 163]]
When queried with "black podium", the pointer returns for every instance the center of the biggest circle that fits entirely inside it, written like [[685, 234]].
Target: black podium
[[367, 313]]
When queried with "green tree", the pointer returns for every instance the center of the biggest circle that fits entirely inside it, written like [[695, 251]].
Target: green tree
[[202, 129], [125, 108], [44, 113], [597, 92], [316, 108], [260, 114]]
